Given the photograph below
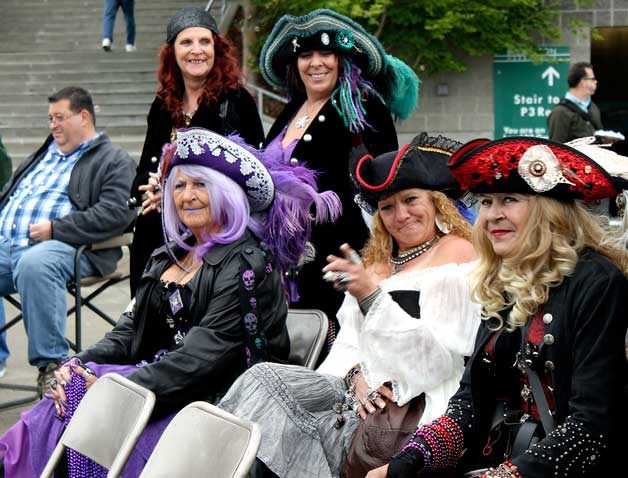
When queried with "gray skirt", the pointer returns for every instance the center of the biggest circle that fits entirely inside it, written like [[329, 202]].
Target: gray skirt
[[294, 407]]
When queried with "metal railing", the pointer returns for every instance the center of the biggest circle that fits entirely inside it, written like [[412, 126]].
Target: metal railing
[[223, 9], [259, 94]]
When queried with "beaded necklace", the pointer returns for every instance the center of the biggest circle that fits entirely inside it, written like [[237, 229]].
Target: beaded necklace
[[411, 254], [79, 466]]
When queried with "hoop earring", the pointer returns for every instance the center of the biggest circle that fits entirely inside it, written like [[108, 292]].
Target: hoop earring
[[441, 225], [494, 323]]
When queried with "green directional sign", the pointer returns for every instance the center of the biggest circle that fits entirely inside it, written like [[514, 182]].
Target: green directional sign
[[526, 92]]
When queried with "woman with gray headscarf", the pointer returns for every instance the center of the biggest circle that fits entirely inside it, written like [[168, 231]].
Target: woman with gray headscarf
[[200, 85]]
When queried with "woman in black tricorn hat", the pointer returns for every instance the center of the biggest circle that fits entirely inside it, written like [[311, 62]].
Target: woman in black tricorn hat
[[407, 323], [543, 393]]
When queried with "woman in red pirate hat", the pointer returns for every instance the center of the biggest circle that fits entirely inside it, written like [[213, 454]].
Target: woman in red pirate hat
[[543, 393]]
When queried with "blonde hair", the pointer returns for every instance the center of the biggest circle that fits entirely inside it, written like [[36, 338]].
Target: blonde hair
[[546, 252], [378, 248]]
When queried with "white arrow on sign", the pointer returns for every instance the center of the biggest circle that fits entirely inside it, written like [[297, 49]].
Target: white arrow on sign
[[550, 74]]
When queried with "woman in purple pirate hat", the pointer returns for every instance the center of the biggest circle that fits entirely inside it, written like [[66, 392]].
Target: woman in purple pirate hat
[[210, 303]]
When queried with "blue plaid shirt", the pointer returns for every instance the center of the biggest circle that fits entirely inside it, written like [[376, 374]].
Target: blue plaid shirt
[[41, 195]]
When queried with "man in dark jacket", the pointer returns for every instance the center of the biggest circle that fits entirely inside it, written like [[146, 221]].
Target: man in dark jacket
[[71, 192], [576, 115]]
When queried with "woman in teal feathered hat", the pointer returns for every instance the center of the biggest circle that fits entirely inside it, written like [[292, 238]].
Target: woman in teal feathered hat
[[343, 88]]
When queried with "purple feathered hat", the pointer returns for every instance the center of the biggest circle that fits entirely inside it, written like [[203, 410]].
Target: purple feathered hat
[[202, 147], [284, 199]]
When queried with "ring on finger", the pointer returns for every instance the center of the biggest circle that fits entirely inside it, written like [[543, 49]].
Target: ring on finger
[[63, 383], [373, 395], [331, 276], [87, 372], [343, 278], [354, 257]]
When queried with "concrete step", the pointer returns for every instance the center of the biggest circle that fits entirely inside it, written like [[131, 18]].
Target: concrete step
[[41, 109], [100, 98], [83, 57], [49, 44], [110, 118], [108, 63], [120, 129], [72, 78], [94, 87]]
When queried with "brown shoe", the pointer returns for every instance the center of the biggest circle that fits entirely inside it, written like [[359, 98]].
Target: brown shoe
[[46, 374]]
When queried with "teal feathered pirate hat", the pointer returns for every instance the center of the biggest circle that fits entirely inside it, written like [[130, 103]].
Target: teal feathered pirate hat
[[324, 29]]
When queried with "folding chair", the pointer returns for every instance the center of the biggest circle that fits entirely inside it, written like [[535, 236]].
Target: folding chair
[[106, 424], [307, 329], [74, 288], [203, 440]]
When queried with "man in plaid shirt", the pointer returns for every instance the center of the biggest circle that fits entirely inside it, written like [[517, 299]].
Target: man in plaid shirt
[[71, 192]]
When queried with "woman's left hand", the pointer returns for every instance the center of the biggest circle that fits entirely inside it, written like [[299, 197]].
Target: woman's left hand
[[62, 378], [152, 192], [349, 273]]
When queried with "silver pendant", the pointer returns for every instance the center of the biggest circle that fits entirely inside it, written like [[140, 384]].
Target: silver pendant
[[176, 303], [302, 121]]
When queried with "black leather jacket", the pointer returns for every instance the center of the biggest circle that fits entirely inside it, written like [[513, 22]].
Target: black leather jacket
[[212, 354], [588, 325]]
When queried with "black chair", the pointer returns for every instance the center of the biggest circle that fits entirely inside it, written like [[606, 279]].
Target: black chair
[[75, 289], [307, 329]]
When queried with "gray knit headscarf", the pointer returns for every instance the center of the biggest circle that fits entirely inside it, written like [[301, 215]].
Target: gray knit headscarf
[[189, 17]]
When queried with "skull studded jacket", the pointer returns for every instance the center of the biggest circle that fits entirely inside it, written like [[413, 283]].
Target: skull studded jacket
[[212, 355]]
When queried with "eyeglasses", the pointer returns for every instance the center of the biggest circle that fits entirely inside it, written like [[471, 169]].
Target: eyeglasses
[[60, 118], [592, 78]]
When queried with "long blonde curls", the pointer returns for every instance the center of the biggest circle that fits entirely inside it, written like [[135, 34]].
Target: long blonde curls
[[547, 251], [378, 248]]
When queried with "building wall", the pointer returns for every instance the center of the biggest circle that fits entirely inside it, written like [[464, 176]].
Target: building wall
[[467, 111]]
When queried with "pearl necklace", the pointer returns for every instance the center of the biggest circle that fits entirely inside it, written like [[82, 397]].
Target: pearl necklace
[[413, 253]]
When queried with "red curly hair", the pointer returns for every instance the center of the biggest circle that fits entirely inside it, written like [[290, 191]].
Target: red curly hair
[[223, 77]]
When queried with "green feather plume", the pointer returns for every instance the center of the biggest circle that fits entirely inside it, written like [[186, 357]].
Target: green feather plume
[[402, 86]]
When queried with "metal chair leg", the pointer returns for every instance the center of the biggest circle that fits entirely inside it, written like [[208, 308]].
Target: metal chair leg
[[14, 386]]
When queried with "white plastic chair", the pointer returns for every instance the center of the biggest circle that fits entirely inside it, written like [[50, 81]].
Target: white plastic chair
[[307, 329], [204, 441], [106, 424]]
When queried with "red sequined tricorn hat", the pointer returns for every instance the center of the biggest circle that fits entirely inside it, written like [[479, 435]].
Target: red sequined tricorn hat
[[530, 166]]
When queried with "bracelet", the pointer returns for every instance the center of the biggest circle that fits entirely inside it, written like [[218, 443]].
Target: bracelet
[[87, 372], [352, 375], [504, 470], [367, 302]]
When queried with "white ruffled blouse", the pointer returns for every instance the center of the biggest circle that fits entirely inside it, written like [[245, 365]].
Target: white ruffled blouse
[[417, 356]]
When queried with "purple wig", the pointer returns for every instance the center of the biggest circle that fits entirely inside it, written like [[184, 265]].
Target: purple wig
[[228, 202]]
